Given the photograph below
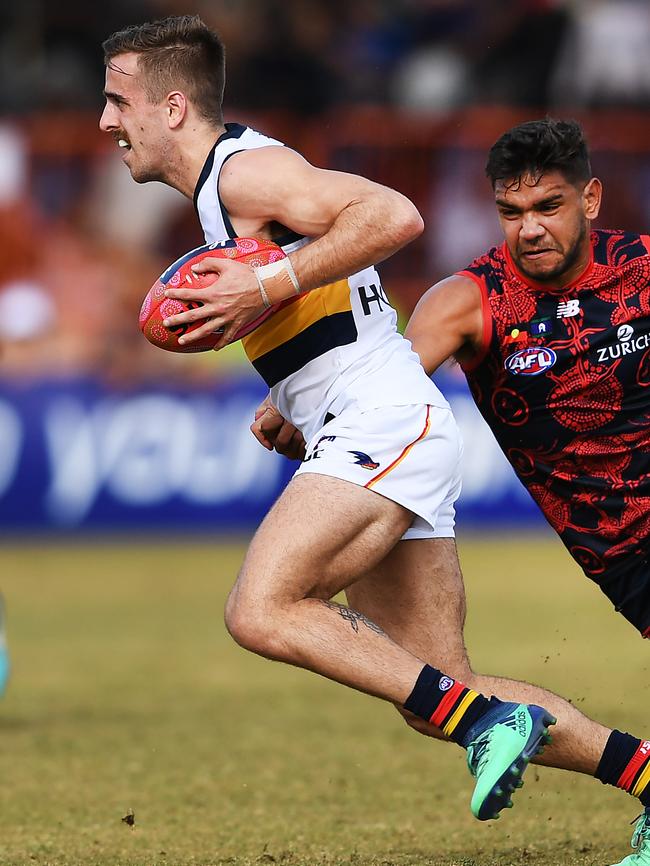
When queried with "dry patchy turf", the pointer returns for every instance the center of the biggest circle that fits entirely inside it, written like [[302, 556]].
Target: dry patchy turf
[[128, 700]]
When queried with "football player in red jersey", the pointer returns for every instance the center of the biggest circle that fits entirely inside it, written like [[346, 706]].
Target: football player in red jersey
[[552, 330]]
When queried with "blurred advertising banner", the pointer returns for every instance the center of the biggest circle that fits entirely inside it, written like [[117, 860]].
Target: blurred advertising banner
[[78, 456]]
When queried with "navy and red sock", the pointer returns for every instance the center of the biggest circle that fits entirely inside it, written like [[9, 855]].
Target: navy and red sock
[[625, 763], [447, 703]]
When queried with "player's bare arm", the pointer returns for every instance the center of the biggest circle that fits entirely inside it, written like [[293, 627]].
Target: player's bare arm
[[447, 322], [354, 221]]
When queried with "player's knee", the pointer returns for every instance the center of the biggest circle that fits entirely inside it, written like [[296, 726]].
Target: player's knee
[[462, 672], [242, 623], [455, 665], [251, 626]]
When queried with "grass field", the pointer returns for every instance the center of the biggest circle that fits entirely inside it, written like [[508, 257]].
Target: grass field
[[127, 695]]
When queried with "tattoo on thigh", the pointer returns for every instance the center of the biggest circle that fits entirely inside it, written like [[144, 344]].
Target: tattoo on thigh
[[353, 617]]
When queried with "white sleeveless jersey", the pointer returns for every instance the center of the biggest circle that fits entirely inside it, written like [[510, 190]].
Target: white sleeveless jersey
[[333, 347]]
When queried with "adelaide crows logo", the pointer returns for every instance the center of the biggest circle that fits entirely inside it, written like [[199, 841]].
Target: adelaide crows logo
[[364, 460]]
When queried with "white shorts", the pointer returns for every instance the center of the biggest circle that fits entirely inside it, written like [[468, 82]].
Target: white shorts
[[409, 454]]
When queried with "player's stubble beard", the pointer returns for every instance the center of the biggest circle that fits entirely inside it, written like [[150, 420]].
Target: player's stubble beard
[[157, 166], [146, 174], [570, 258]]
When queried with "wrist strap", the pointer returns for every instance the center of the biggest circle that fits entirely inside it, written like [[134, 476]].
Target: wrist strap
[[277, 281], [260, 286]]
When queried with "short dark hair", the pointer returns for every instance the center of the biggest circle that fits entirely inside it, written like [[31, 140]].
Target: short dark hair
[[537, 147], [176, 51]]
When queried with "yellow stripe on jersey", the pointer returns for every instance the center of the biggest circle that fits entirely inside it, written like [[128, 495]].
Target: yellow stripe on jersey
[[296, 317]]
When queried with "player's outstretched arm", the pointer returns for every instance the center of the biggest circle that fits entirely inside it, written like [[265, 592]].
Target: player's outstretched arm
[[354, 223], [447, 322]]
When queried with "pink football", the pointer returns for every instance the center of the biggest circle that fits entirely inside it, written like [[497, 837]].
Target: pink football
[[156, 307]]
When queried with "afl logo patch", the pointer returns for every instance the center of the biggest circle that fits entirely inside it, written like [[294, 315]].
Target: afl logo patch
[[445, 684], [531, 361]]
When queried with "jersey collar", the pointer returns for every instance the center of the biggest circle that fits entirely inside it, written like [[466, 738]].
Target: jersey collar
[[231, 130]]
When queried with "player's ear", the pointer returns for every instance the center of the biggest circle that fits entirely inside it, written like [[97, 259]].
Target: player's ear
[[176, 106], [591, 197]]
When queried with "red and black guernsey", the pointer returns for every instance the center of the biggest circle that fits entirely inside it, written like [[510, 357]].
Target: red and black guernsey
[[564, 384]]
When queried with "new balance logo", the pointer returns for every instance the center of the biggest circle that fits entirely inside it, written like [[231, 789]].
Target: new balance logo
[[568, 309]]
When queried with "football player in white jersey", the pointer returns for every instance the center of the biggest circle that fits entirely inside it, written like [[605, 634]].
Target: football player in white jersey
[[374, 495]]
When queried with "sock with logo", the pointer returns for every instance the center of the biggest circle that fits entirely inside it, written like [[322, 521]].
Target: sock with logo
[[447, 704], [625, 763]]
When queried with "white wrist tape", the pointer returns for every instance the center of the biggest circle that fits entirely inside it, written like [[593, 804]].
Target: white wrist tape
[[277, 281], [260, 286]]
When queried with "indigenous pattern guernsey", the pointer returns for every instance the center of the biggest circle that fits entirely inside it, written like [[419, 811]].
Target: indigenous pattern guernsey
[[329, 348], [564, 383]]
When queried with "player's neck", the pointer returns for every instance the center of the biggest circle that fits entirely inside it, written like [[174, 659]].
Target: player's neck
[[581, 261], [578, 268], [183, 172]]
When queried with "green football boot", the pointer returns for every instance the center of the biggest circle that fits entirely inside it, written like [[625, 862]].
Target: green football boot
[[640, 843], [501, 747]]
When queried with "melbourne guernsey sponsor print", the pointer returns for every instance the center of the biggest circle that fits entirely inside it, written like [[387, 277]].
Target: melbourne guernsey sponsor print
[[627, 343]]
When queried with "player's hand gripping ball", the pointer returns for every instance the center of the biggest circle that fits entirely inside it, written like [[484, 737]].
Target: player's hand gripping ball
[[156, 307]]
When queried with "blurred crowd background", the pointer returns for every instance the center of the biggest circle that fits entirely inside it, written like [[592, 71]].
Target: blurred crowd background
[[407, 92]]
